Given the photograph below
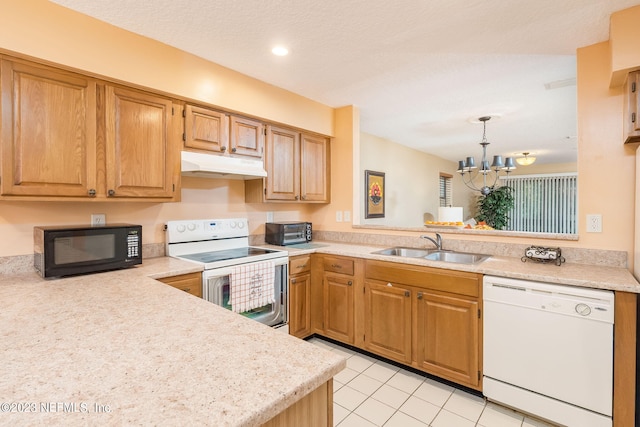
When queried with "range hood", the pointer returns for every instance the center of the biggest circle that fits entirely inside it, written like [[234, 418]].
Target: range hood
[[219, 166]]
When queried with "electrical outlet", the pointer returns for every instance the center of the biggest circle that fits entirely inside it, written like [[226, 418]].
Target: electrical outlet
[[594, 223], [338, 216], [269, 216], [346, 216], [98, 220]]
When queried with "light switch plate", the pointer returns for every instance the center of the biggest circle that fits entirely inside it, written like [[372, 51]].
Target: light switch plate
[[338, 216], [346, 216]]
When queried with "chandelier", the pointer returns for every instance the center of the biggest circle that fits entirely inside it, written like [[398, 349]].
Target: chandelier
[[469, 170]]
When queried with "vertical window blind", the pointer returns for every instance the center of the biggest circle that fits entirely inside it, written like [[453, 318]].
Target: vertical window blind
[[445, 190], [544, 203]]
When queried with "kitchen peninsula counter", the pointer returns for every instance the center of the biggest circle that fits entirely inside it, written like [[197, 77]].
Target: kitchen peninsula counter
[[120, 348]]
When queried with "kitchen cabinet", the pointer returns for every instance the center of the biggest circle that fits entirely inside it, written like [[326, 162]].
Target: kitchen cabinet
[[298, 169], [300, 296], [443, 335], [66, 136], [141, 158], [387, 314], [447, 329], [190, 283], [632, 108], [214, 131], [48, 145], [338, 284]]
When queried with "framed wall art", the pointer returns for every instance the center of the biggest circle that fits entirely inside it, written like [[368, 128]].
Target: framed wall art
[[374, 192]]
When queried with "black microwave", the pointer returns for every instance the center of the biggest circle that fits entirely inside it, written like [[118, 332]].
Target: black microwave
[[80, 249], [287, 233]]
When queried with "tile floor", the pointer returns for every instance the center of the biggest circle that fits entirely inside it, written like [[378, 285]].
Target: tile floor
[[369, 392]]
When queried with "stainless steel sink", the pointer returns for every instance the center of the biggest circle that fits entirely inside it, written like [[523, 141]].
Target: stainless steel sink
[[404, 252], [456, 257]]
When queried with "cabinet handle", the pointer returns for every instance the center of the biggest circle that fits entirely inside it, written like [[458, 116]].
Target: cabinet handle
[[111, 193], [633, 87], [302, 266], [407, 293], [297, 197], [633, 117], [349, 283], [234, 149], [293, 281], [419, 295], [187, 289], [92, 192], [338, 266], [304, 197], [223, 149]]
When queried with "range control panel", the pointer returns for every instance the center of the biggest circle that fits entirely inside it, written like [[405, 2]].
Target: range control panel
[[206, 229]]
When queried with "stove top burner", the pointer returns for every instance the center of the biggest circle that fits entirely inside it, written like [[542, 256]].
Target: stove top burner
[[227, 254]]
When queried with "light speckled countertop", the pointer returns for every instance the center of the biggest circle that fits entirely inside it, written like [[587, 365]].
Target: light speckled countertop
[[585, 275], [151, 353]]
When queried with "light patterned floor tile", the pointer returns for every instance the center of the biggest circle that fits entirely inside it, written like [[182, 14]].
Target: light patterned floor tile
[[466, 405], [345, 375], [533, 422], [400, 419], [375, 411], [449, 419], [337, 385], [365, 384], [359, 362], [420, 409], [349, 398], [339, 413], [498, 416], [406, 381], [380, 372], [391, 396], [355, 420], [434, 392]]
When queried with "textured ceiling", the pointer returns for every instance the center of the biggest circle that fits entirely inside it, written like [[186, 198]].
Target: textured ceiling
[[419, 70]]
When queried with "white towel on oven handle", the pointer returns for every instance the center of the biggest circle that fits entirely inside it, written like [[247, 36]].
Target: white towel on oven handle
[[252, 286]]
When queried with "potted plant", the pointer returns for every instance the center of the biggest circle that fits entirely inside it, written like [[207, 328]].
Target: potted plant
[[494, 208]]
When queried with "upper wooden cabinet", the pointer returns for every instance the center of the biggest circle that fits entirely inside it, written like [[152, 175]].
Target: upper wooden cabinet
[[66, 136], [632, 108], [214, 131], [48, 145], [205, 129], [298, 169], [140, 156]]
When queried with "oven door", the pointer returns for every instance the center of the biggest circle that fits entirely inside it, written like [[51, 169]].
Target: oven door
[[216, 289]]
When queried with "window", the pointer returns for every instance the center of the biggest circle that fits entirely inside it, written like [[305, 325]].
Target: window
[[445, 189], [544, 203]]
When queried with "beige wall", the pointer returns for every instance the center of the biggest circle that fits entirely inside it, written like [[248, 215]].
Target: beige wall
[[411, 182]]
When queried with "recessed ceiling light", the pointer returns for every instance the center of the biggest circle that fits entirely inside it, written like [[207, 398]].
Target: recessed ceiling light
[[280, 51]]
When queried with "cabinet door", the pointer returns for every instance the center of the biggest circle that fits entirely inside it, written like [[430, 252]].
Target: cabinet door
[[315, 172], [338, 307], [632, 107], [300, 305], [247, 137], [205, 129], [387, 317], [139, 154], [48, 145], [447, 337], [282, 162]]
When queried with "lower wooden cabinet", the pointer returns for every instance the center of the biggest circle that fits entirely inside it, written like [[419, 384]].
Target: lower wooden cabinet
[[387, 314], [338, 307], [190, 283], [447, 331], [300, 296]]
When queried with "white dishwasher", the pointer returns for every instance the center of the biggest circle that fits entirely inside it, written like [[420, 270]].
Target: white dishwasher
[[548, 350]]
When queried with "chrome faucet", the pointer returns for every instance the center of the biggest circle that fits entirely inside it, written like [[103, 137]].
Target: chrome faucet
[[437, 241]]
